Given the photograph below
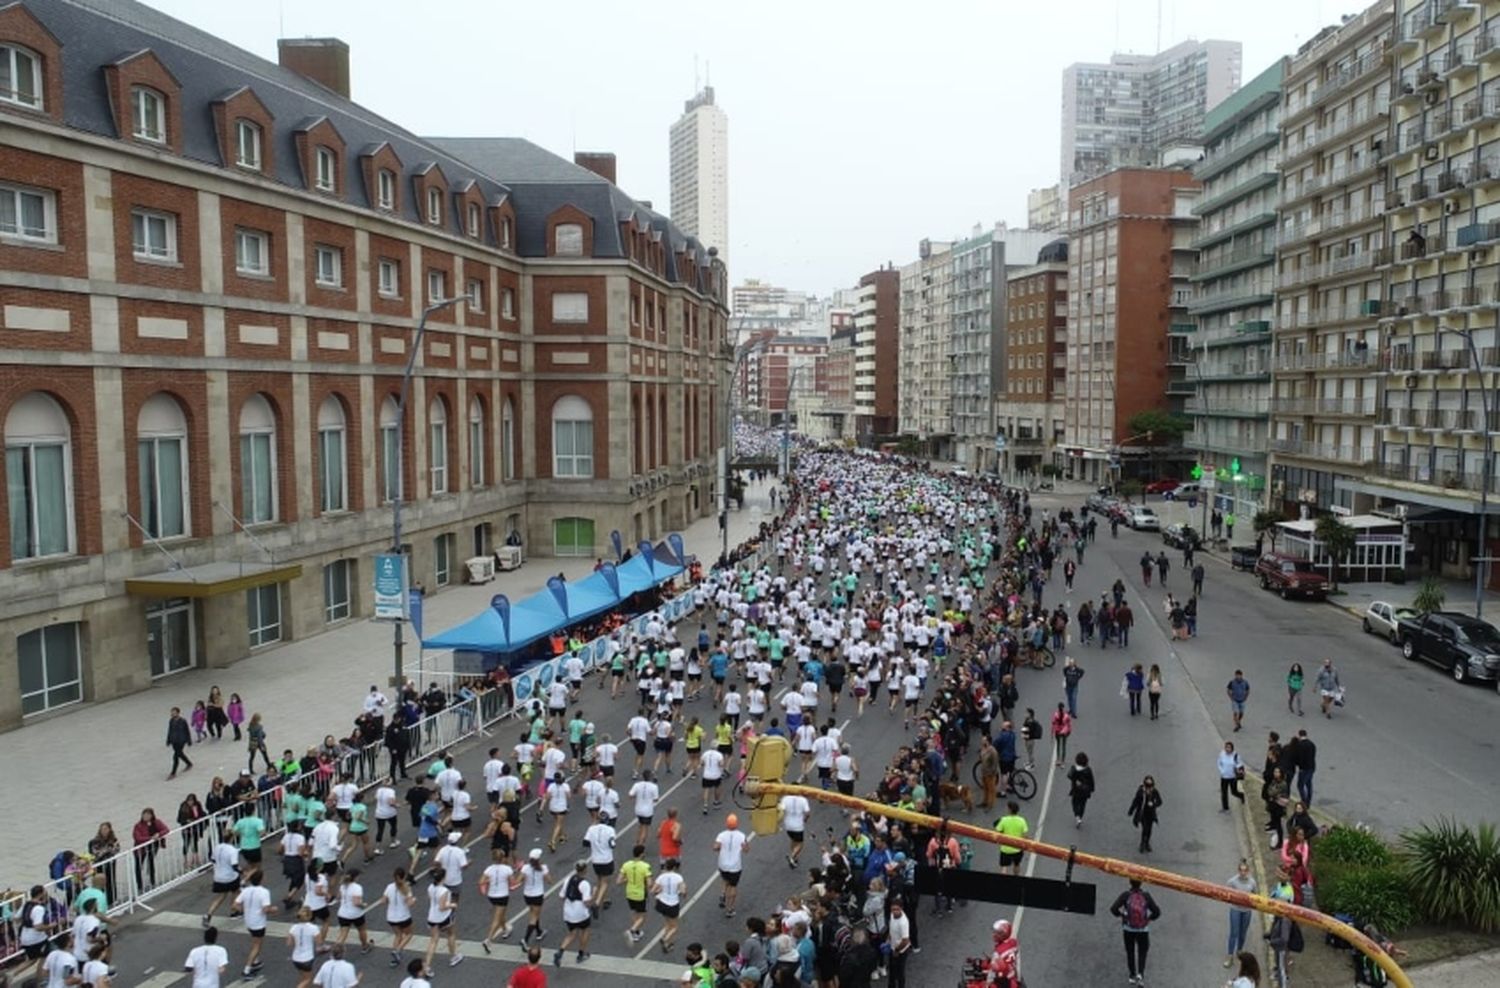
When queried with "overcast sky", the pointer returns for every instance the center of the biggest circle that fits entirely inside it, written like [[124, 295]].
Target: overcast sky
[[855, 128]]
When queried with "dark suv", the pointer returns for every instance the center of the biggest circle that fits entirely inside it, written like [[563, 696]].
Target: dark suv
[[1290, 576]]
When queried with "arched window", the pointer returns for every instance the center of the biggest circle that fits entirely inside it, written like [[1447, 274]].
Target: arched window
[[437, 445], [333, 477], [39, 478], [572, 438], [257, 461], [390, 451], [477, 451], [507, 441], [161, 454]]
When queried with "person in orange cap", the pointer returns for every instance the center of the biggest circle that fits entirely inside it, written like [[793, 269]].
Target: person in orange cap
[[730, 844]]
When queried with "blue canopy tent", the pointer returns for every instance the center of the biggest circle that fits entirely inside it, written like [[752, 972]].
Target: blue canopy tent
[[541, 614]]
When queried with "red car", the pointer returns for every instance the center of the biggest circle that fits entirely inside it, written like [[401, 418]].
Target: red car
[[1161, 486]]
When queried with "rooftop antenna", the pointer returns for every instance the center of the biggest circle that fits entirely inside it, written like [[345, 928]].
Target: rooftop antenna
[[695, 72], [707, 73]]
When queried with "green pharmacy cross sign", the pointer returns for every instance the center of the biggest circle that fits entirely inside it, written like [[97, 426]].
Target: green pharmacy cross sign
[[1197, 472]]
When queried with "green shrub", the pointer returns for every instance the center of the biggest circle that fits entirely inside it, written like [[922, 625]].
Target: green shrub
[[1351, 845], [1377, 894], [1453, 871]]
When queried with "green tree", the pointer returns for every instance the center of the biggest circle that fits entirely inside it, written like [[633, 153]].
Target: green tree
[[1430, 596], [1265, 525], [1165, 428], [1338, 542]]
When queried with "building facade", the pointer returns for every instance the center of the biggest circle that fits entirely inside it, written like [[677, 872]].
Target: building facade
[[1331, 257], [1028, 407], [877, 354], [1129, 259], [1124, 113], [1046, 209], [210, 275], [1234, 280], [699, 159], [926, 357], [777, 370]]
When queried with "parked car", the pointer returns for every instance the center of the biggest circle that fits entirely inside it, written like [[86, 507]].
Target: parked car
[[1290, 576], [1181, 536], [1181, 492], [1385, 620], [1243, 557], [1467, 647], [1096, 501], [961, 473], [1160, 486], [1143, 519]]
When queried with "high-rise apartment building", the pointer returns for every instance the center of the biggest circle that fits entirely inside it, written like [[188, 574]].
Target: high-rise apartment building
[[877, 354], [1046, 209], [1122, 114], [926, 365], [1234, 280], [1129, 259], [700, 172], [1028, 402], [1330, 261]]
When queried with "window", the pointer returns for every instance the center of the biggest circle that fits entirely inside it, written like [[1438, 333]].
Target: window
[[472, 220], [435, 206], [330, 266], [572, 438], [442, 568], [324, 170], [51, 664], [257, 461], [475, 295], [28, 214], [247, 144], [390, 278], [568, 240], [573, 537], [153, 235], [263, 615], [20, 77], [336, 590], [252, 253], [505, 232], [333, 479], [508, 303], [149, 110], [161, 459], [437, 286], [507, 441], [385, 189], [390, 451], [437, 447], [39, 478], [476, 443], [570, 307]]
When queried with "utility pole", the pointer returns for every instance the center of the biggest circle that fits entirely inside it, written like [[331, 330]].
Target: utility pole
[[786, 425]]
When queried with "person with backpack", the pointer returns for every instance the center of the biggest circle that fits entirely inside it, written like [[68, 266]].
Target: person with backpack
[[37, 926], [1136, 911], [576, 916], [1080, 786]]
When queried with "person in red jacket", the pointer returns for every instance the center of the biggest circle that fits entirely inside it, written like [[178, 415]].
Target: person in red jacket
[[1003, 967]]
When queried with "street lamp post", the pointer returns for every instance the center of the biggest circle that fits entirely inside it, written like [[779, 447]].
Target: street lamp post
[[1481, 555], [739, 359], [786, 424], [398, 627]]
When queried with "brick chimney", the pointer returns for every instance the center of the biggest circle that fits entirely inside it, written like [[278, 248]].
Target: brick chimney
[[601, 163], [323, 60]]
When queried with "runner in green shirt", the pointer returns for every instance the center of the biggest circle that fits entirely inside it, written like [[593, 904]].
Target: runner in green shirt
[[1011, 825], [359, 832], [248, 830], [635, 875]]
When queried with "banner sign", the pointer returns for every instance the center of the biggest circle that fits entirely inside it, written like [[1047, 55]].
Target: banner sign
[[675, 541], [645, 549], [501, 604], [618, 543], [611, 577], [559, 592], [414, 611], [390, 587]]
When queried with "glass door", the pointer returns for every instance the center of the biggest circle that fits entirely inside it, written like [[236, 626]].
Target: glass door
[[169, 636]]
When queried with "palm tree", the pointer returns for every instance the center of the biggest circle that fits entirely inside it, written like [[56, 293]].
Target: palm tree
[[1338, 541], [1265, 525]]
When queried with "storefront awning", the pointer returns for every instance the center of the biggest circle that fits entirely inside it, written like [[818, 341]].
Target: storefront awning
[[212, 579]]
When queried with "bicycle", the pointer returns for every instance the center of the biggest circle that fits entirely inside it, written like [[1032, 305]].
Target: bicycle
[[1022, 782], [1045, 654]]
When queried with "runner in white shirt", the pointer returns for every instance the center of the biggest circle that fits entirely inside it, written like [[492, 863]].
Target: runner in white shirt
[[462, 816], [387, 814], [825, 750], [398, 899], [911, 691], [415, 975], [668, 889], [351, 910], [755, 704], [453, 859], [208, 961], [315, 892], [730, 844], [493, 769], [302, 938], [448, 780], [609, 803], [577, 915], [592, 791], [713, 775], [533, 890], [440, 906], [845, 771], [496, 883], [600, 838], [791, 705], [336, 972], [254, 903], [605, 754], [60, 966], [85, 928], [794, 810], [803, 739], [645, 793]]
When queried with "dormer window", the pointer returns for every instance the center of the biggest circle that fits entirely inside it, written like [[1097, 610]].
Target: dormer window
[[20, 77], [435, 206], [505, 233], [247, 145], [568, 238], [324, 171], [385, 189], [149, 110], [472, 220]]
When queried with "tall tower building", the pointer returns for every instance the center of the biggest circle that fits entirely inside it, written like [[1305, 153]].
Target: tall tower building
[[700, 171], [1122, 114]]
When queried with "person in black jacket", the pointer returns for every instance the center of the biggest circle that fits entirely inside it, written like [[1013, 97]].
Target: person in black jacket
[[858, 964], [179, 736], [1143, 809], [1080, 786], [1137, 911], [397, 744]]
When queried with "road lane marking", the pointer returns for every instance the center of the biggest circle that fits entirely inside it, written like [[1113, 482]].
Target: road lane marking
[[651, 943], [164, 979], [1041, 824]]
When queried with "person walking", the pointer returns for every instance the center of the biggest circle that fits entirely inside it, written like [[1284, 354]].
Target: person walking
[[1306, 756], [1231, 771], [1294, 683], [898, 937], [1143, 811], [1012, 824], [1124, 621], [1062, 726], [1238, 691], [1072, 674], [1153, 690], [989, 772], [255, 731], [1080, 786], [1239, 916], [179, 737], [1329, 689], [1197, 579], [1133, 686], [1137, 910]]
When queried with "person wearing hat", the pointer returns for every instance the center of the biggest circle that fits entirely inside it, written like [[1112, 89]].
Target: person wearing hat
[[453, 858], [533, 890], [575, 895], [731, 844]]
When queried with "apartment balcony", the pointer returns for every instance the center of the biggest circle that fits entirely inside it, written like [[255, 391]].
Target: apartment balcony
[[1469, 481], [1179, 328], [1325, 407], [1486, 46], [1338, 360], [1236, 297], [1247, 370], [1256, 182], [1240, 259], [1371, 62], [1232, 230], [1244, 408], [1330, 269], [1321, 451], [1227, 156], [1182, 387], [1331, 315], [1451, 11]]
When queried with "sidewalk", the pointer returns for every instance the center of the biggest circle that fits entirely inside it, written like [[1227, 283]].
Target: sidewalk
[[1474, 971], [108, 761], [1356, 597]]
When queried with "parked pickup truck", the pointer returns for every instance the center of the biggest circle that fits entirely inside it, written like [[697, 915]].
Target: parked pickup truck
[[1290, 576], [1467, 647]]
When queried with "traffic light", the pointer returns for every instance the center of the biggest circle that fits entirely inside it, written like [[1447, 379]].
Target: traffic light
[[769, 756]]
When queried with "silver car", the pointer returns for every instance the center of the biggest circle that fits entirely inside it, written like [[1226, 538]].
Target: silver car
[[1144, 519], [1385, 620]]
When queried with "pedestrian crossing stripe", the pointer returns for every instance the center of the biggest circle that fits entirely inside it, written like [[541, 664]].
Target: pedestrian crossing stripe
[[630, 967]]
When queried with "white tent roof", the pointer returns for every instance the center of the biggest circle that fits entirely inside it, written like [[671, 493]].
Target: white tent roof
[[1362, 522]]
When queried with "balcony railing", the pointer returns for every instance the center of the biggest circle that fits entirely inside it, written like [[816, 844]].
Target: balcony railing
[[1336, 360], [1322, 451], [1324, 406], [1421, 473]]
